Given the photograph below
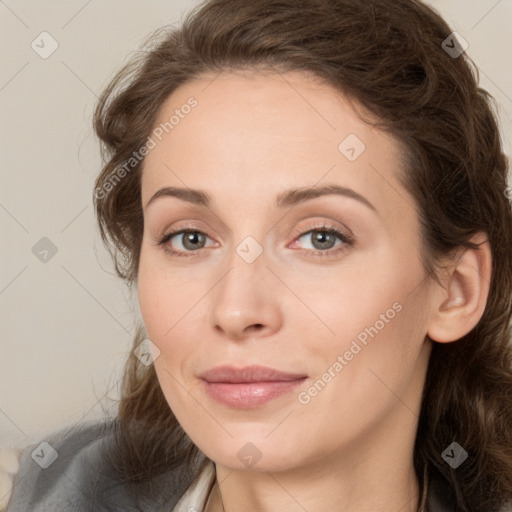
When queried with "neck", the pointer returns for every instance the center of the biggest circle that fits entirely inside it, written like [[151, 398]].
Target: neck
[[372, 481]]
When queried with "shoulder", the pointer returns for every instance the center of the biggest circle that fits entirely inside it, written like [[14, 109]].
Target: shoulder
[[68, 471]]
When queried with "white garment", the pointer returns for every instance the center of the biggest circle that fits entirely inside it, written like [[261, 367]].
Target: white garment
[[194, 499]]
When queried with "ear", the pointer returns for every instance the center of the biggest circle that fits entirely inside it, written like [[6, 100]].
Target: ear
[[460, 304]]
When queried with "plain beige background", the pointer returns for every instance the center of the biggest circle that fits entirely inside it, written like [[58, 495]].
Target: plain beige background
[[67, 324]]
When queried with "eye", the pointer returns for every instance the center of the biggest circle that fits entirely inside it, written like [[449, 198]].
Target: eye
[[322, 237], [188, 240], [323, 240]]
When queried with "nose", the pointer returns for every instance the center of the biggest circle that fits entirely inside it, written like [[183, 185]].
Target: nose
[[245, 303]]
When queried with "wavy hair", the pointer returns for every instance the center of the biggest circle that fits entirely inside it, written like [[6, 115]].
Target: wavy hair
[[388, 56]]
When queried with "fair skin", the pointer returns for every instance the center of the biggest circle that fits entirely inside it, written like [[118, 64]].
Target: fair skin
[[249, 139]]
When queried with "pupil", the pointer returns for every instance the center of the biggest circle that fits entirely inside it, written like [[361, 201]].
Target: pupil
[[192, 238], [323, 239]]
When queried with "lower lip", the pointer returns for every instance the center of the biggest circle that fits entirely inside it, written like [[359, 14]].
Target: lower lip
[[245, 395]]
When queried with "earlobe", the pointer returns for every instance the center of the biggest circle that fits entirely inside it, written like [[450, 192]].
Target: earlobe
[[458, 307]]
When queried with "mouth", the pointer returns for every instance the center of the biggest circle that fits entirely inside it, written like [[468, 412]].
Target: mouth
[[248, 387], [230, 374]]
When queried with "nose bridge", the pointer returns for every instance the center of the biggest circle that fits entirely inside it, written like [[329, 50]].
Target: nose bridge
[[247, 255], [246, 276], [244, 297]]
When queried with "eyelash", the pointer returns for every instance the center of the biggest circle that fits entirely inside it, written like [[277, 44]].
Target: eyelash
[[347, 240]]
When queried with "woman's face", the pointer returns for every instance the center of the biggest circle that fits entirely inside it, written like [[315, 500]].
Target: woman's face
[[262, 282]]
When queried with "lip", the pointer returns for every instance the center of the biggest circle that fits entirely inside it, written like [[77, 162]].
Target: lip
[[248, 387], [255, 373]]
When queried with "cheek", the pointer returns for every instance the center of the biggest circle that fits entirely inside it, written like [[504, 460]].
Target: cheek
[[370, 319], [379, 356], [163, 300], [361, 371], [345, 303], [168, 305]]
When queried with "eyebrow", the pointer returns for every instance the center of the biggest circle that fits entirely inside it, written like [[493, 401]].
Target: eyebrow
[[285, 199]]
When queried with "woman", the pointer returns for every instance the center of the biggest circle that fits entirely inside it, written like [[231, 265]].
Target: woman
[[310, 199]]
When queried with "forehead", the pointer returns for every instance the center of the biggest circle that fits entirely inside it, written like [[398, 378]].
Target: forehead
[[253, 128], [271, 104]]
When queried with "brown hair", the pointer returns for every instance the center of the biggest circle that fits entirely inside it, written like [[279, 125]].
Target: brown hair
[[388, 56]]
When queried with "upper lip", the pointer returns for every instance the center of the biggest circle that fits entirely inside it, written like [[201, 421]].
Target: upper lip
[[248, 374]]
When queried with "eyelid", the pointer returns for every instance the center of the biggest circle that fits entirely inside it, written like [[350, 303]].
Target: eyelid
[[322, 225], [180, 227]]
